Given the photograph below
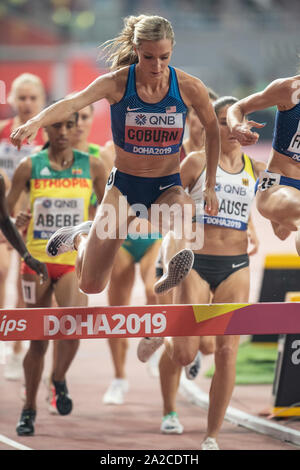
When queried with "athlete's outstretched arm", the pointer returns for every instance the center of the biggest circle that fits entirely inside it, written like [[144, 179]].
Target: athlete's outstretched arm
[[14, 238], [20, 179], [100, 88], [278, 93]]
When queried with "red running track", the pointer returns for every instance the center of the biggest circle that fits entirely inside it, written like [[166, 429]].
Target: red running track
[[132, 426]]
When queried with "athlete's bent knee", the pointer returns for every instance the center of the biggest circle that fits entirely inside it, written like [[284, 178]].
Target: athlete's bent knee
[[225, 356], [91, 286], [207, 348], [183, 358]]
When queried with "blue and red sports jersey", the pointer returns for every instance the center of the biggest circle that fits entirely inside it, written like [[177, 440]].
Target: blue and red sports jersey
[[149, 128]]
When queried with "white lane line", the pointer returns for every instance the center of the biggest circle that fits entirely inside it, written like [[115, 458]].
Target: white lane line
[[12, 443], [196, 396]]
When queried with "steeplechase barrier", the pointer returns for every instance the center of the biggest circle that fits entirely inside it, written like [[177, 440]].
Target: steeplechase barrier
[[156, 320]]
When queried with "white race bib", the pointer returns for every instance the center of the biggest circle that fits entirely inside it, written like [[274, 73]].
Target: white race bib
[[54, 213], [29, 291], [267, 180], [10, 156], [295, 141]]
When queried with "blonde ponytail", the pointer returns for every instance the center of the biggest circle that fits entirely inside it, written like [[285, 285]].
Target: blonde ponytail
[[120, 50]]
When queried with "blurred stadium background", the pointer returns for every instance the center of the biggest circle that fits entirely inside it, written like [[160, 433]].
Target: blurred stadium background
[[235, 46]]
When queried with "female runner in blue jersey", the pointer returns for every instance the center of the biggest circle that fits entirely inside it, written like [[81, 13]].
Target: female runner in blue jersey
[[278, 189], [148, 100]]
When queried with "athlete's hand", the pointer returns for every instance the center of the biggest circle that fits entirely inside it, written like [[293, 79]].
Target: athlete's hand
[[211, 203], [26, 131], [244, 134], [37, 266], [22, 220]]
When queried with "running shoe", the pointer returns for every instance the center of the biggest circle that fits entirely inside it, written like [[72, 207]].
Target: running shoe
[[210, 443], [13, 369], [192, 369], [115, 393], [171, 424], [62, 240], [178, 268], [25, 426], [51, 399], [147, 347], [64, 402], [51, 396]]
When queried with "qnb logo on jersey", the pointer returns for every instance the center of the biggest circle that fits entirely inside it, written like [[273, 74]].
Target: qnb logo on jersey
[[153, 133], [140, 119], [232, 189], [162, 120], [66, 203], [47, 203]]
